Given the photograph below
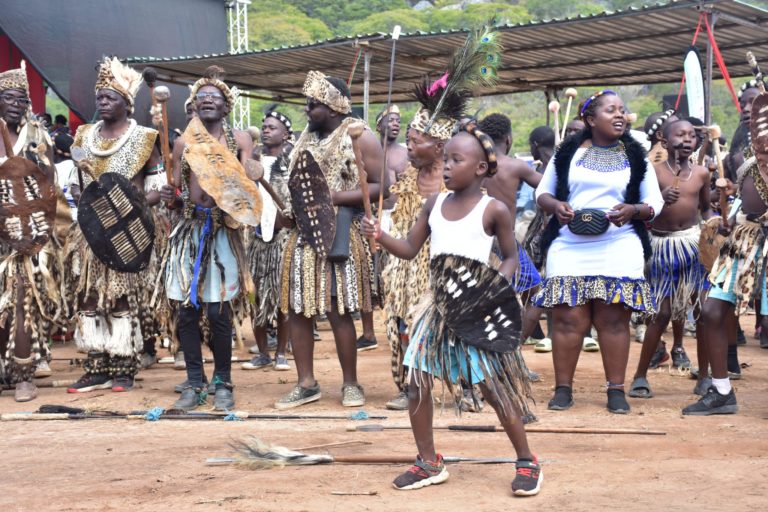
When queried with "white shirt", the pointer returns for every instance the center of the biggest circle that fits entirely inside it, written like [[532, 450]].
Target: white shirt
[[615, 253]]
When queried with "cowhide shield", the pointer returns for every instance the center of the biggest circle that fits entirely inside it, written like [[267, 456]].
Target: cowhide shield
[[758, 129], [116, 223], [312, 205], [221, 175], [476, 302], [710, 242], [27, 205]]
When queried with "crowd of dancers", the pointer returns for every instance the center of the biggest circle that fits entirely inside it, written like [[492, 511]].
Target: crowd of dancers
[[154, 240]]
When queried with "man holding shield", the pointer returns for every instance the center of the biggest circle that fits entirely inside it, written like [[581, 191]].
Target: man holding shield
[[29, 280], [327, 264], [112, 242]]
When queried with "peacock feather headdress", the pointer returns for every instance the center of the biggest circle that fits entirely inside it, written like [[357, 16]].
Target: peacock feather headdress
[[443, 101]]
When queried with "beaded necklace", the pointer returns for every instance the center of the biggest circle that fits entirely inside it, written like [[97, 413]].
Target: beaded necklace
[[604, 158], [93, 145], [676, 174]]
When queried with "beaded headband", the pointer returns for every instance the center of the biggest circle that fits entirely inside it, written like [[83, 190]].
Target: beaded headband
[[230, 93], [487, 144], [118, 77], [656, 126], [280, 117], [15, 78], [593, 98], [393, 109], [320, 89], [748, 85], [214, 75]]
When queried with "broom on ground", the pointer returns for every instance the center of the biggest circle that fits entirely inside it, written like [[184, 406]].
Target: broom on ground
[[256, 454]]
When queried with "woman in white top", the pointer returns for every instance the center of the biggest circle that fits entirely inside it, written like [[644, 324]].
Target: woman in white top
[[597, 278]]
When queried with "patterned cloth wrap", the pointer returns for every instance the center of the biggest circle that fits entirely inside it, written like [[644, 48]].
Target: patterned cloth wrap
[[676, 273]]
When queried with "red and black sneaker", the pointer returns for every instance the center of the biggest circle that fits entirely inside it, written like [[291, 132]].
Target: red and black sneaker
[[90, 382], [528, 478], [422, 474], [122, 383]]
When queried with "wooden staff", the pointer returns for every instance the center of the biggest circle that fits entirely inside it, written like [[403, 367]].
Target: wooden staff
[[721, 183], [355, 130], [81, 414], [531, 430], [554, 107], [49, 384], [160, 96], [570, 93], [395, 37], [703, 150], [6, 139], [257, 174]]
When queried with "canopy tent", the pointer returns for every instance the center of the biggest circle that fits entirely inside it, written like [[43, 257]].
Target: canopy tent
[[635, 46]]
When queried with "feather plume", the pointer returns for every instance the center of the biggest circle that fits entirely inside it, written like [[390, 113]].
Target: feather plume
[[126, 77], [474, 65]]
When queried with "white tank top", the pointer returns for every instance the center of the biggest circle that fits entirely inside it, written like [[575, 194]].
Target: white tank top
[[463, 237]]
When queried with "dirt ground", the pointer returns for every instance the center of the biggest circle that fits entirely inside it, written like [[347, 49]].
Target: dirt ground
[[711, 463]]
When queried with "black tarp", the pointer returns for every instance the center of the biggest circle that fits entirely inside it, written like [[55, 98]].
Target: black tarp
[[65, 39]]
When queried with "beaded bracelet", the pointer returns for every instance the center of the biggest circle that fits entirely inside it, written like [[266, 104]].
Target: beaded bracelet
[[651, 212]]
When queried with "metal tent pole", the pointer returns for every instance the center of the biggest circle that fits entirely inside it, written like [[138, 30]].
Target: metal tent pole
[[366, 83], [710, 58]]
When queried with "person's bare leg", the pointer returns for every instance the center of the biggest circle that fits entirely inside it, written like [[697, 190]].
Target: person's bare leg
[[511, 419], [702, 356], [303, 349], [719, 326], [23, 342], [346, 343], [420, 413], [654, 329], [677, 333], [260, 334], [531, 313], [568, 327], [367, 321], [612, 323], [283, 333]]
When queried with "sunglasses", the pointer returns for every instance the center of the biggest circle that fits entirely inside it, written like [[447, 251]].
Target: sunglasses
[[213, 96], [11, 100]]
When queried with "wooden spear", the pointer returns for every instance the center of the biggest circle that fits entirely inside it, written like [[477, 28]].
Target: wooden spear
[[495, 428]]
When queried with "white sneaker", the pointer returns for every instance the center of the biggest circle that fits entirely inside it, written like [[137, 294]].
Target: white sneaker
[[544, 345], [42, 369], [590, 345], [281, 363], [640, 333], [178, 361]]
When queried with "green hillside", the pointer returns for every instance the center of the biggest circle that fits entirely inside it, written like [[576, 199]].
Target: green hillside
[[292, 22]]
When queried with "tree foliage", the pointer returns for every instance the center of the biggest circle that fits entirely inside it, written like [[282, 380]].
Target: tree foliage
[[276, 24], [290, 22], [336, 12]]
